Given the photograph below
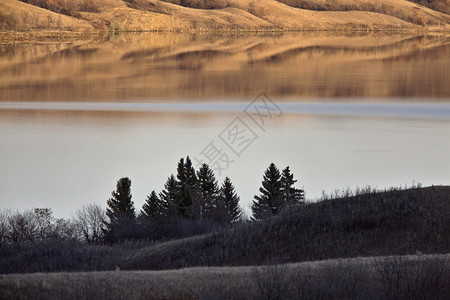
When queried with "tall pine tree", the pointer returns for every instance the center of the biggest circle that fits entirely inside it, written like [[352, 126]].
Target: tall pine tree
[[153, 207], [170, 195], [291, 195], [120, 212], [270, 201], [208, 189], [187, 188], [120, 205], [229, 197]]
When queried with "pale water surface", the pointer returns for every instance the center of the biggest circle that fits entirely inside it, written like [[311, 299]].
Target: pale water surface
[[348, 111]]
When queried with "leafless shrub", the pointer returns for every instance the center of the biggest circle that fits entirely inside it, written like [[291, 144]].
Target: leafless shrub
[[87, 6], [414, 17], [10, 22], [419, 278], [115, 28], [273, 282], [334, 281], [352, 282], [200, 4], [150, 5], [438, 5], [258, 10], [71, 8]]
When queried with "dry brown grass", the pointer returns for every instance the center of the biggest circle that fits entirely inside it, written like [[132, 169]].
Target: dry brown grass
[[403, 10], [200, 4], [19, 16], [71, 8], [370, 278], [438, 5], [223, 15]]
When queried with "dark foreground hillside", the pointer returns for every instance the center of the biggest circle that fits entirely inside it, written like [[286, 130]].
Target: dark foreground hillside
[[396, 222], [371, 224]]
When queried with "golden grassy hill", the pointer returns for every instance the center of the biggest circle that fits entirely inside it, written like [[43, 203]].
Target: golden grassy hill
[[218, 15], [17, 15]]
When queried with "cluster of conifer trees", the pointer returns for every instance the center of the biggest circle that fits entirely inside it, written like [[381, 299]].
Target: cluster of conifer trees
[[196, 196], [277, 192]]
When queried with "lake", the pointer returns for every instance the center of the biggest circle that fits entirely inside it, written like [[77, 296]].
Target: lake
[[341, 110]]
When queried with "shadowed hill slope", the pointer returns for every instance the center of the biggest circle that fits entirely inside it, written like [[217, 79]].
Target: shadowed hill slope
[[437, 5], [396, 222], [373, 223]]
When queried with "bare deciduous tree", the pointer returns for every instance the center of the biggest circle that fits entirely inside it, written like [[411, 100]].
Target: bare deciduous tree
[[90, 221], [4, 227], [66, 229], [22, 227], [45, 223]]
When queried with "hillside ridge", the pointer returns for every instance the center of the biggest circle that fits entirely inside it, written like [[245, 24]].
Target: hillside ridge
[[366, 223], [395, 222], [218, 16]]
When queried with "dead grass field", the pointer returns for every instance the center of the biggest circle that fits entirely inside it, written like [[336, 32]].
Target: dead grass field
[[333, 279], [224, 15]]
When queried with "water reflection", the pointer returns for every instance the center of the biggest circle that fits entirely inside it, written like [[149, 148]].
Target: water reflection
[[163, 65]]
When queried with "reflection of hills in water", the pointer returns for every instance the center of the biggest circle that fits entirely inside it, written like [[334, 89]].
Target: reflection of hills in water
[[216, 66], [318, 50]]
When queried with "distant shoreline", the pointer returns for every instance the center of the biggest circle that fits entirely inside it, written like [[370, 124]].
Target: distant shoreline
[[433, 111], [54, 35]]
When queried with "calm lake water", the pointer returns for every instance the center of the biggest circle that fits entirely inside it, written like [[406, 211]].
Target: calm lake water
[[340, 110]]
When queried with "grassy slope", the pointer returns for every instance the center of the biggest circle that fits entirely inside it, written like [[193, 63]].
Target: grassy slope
[[360, 278], [438, 5], [22, 16], [138, 15], [376, 224], [396, 222]]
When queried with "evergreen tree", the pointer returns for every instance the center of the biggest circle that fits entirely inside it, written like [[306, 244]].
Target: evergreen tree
[[208, 192], [187, 191], [271, 199], [120, 212], [120, 204], [169, 196], [153, 207], [231, 199], [291, 195]]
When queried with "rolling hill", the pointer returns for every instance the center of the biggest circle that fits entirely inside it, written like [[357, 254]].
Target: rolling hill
[[221, 15], [365, 224]]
